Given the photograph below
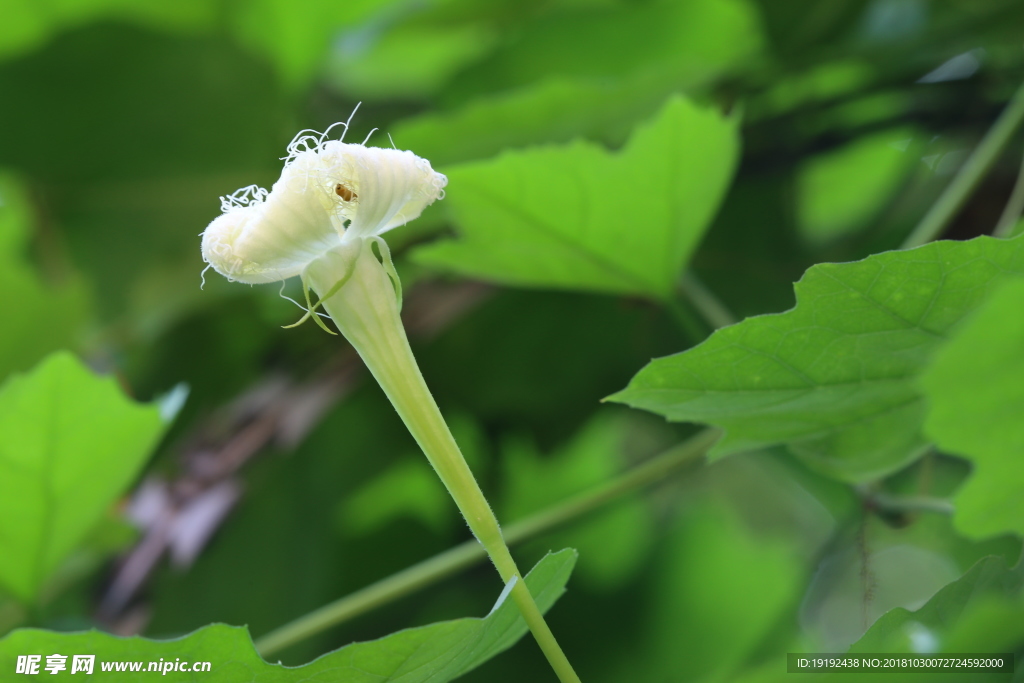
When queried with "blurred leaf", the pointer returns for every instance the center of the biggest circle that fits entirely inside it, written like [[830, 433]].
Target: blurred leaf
[[835, 376], [37, 317], [719, 593], [615, 541], [870, 110], [410, 488], [578, 217], [686, 42], [840, 191], [294, 35], [70, 443], [551, 110], [15, 217], [409, 61], [184, 119], [975, 389], [436, 653], [930, 628], [982, 612], [872, 572], [28, 24], [154, 140], [821, 82]]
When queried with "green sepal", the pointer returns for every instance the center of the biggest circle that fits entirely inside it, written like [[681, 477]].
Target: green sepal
[[389, 266], [311, 307]]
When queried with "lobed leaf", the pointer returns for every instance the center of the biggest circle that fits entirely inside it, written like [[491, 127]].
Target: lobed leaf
[[975, 391], [579, 217], [836, 376], [70, 443]]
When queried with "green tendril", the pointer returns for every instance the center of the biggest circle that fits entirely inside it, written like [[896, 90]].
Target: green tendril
[[311, 307]]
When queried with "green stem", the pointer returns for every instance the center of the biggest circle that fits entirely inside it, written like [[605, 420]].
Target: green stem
[[366, 311], [887, 503], [689, 324], [716, 313], [1013, 209], [469, 553], [970, 174]]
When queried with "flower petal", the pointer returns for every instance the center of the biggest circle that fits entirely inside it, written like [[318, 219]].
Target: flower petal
[[389, 187], [265, 240], [267, 237]]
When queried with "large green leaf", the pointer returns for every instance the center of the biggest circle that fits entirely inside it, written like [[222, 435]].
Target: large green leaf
[[436, 653], [835, 377], [70, 443], [579, 217], [975, 390]]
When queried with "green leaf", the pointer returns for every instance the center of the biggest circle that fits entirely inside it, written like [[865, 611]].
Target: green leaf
[[70, 443], [579, 217], [836, 376], [975, 390], [436, 653]]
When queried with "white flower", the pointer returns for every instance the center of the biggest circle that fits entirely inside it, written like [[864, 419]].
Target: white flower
[[330, 193]]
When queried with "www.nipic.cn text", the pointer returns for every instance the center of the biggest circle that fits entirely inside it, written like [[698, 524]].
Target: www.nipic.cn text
[[86, 664]]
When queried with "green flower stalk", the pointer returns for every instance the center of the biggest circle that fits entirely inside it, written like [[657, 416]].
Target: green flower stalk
[[322, 221]]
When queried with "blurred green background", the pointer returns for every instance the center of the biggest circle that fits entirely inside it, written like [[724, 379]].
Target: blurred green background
[[122, 121]]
